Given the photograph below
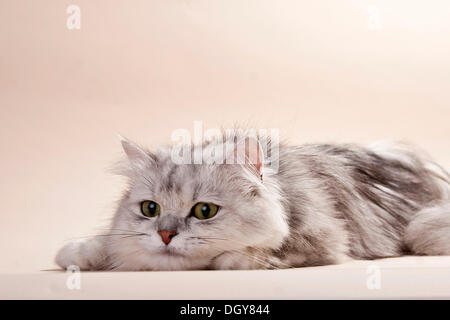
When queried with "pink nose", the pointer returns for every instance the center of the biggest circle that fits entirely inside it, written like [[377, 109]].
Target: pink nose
[[167, 235]]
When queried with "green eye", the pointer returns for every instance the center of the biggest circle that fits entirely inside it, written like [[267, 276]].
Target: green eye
[[204, 210], [150, 208]]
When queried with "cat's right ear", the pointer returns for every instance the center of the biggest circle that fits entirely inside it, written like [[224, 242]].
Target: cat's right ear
[[138, 158]]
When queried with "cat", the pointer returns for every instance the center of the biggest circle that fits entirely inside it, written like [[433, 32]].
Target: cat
[[325, 204]]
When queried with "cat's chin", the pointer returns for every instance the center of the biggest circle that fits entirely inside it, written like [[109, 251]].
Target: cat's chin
[[170, 252], [170, 260]]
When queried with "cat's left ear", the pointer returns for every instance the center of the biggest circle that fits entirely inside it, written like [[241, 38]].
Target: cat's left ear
[[249, 153], [138, 158]]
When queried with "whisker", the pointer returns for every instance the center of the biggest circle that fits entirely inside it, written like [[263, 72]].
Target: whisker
[[259, 260], [134, 235], [116, 266], [261, 251], [122, 230], [104, 235]]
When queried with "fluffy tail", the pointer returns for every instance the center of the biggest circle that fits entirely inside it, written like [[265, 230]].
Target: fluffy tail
[[429, 231]]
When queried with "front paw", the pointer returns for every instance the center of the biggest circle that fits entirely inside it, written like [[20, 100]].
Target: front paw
[[85, 254]]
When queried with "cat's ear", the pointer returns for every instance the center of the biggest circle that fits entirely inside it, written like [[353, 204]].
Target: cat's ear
[[138, 158], [248, 153]]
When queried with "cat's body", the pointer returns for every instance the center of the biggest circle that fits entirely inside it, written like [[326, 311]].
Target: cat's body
[[326, 204]]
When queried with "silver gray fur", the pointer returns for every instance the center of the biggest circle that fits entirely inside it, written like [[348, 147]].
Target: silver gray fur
[[326, 204]]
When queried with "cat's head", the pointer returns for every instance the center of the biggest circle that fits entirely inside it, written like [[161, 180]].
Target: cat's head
[[182, 216]]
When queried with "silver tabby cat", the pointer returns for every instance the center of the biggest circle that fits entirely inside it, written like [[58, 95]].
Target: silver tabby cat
[[324, 205]]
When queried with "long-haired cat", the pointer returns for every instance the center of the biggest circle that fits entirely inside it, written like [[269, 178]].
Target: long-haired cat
[[324, 204]]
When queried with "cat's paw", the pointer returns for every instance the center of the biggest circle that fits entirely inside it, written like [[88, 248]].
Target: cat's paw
[[84, 254]]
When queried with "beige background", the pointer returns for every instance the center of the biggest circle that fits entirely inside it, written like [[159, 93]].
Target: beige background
[[313, 69]]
